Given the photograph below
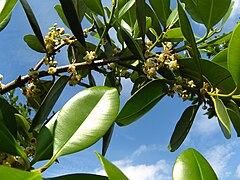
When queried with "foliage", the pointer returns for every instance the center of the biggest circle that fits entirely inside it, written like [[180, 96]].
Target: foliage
[[154, 46]]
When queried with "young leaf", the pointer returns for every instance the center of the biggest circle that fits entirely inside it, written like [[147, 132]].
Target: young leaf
[[17, 174], [6, 8], [141, 102], [78, 176], [172, 19], [61, 14], [182, 128], [33, 42], [190, 164], [73, 21], [234, 54], [95, 6], [223, 117], [188, 34], [234, 114], [84, 119], [49, 102], [162, 9], [207, 12], [132, 44], [141, 17], [33, 21], [112, 171]]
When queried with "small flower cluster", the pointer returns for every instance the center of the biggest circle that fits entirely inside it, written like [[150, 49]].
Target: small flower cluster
[[90, 56], [75, 79], [31, 90]]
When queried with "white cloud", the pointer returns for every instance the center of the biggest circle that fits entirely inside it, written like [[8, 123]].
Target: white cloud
[[238, 171], [146, 149], [160, 170]]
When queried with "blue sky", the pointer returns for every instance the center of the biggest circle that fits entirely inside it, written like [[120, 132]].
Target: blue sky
[[140, 149]]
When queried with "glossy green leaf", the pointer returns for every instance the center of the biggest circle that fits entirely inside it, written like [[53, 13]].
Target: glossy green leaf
[[141, 102], [182, 128], [174, 34], [207, 12], [189, 36], [162, 9], [95, 6], [141, 17], [73, 21], [83, 121], [33, 21], [78, 177], [8, 173], [6, 8], [49, 102], [7, 116], [61, 14], [106, 140], [112, 171], [33, 42], [221, 58], [234, 54], [223, 117], [132, 44], [81, 8], [5, 22], [126, 8], [190, 164], [234, 114], [172, 19], [44, 148]]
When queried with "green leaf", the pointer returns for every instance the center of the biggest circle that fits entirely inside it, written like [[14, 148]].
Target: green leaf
[[182, 128], [33, 42], [33, 21], [49, 102], [83, 121], [162, 9], [221, 58], [78, 176], [6, 8], [141, 17], [234, 54], [234, 114], [44, 148], [106, 140], [132, 44], [23, 126], [172, 19], [81, 8], [227, 15], [174, 34], [188, 34], [73, 21], [125, 8], [60, 12], [112, 171], [207, 12], [17, 174], [190, 164], [95, 6], [223, 117], [5, 22], [141, 102], [7, 116]]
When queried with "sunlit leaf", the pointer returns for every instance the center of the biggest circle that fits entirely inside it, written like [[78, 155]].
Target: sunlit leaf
[[126, 8], [141, 102], [95, 6], [49, 102], [6, 8], [234, 54], [33, 21], [234, 114], [221, 58], [172, 19], [17, 174], [174, 34], [83, 121], [223, 117], [78, 176], [33, 42], [23, 127], [112, 171], [183, 127], [190, 164], [73, 21]]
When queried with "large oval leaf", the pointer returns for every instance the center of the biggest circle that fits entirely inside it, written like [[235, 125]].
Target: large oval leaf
[[6, 8], [8, 173], [221, 58], [207, 12], [190, 164], [33, 42], [112, 171], [234, 114], [234, 54], [78, 176], [183, 127], [223, 117], [48, 102], [141, 102], [84, 119]]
